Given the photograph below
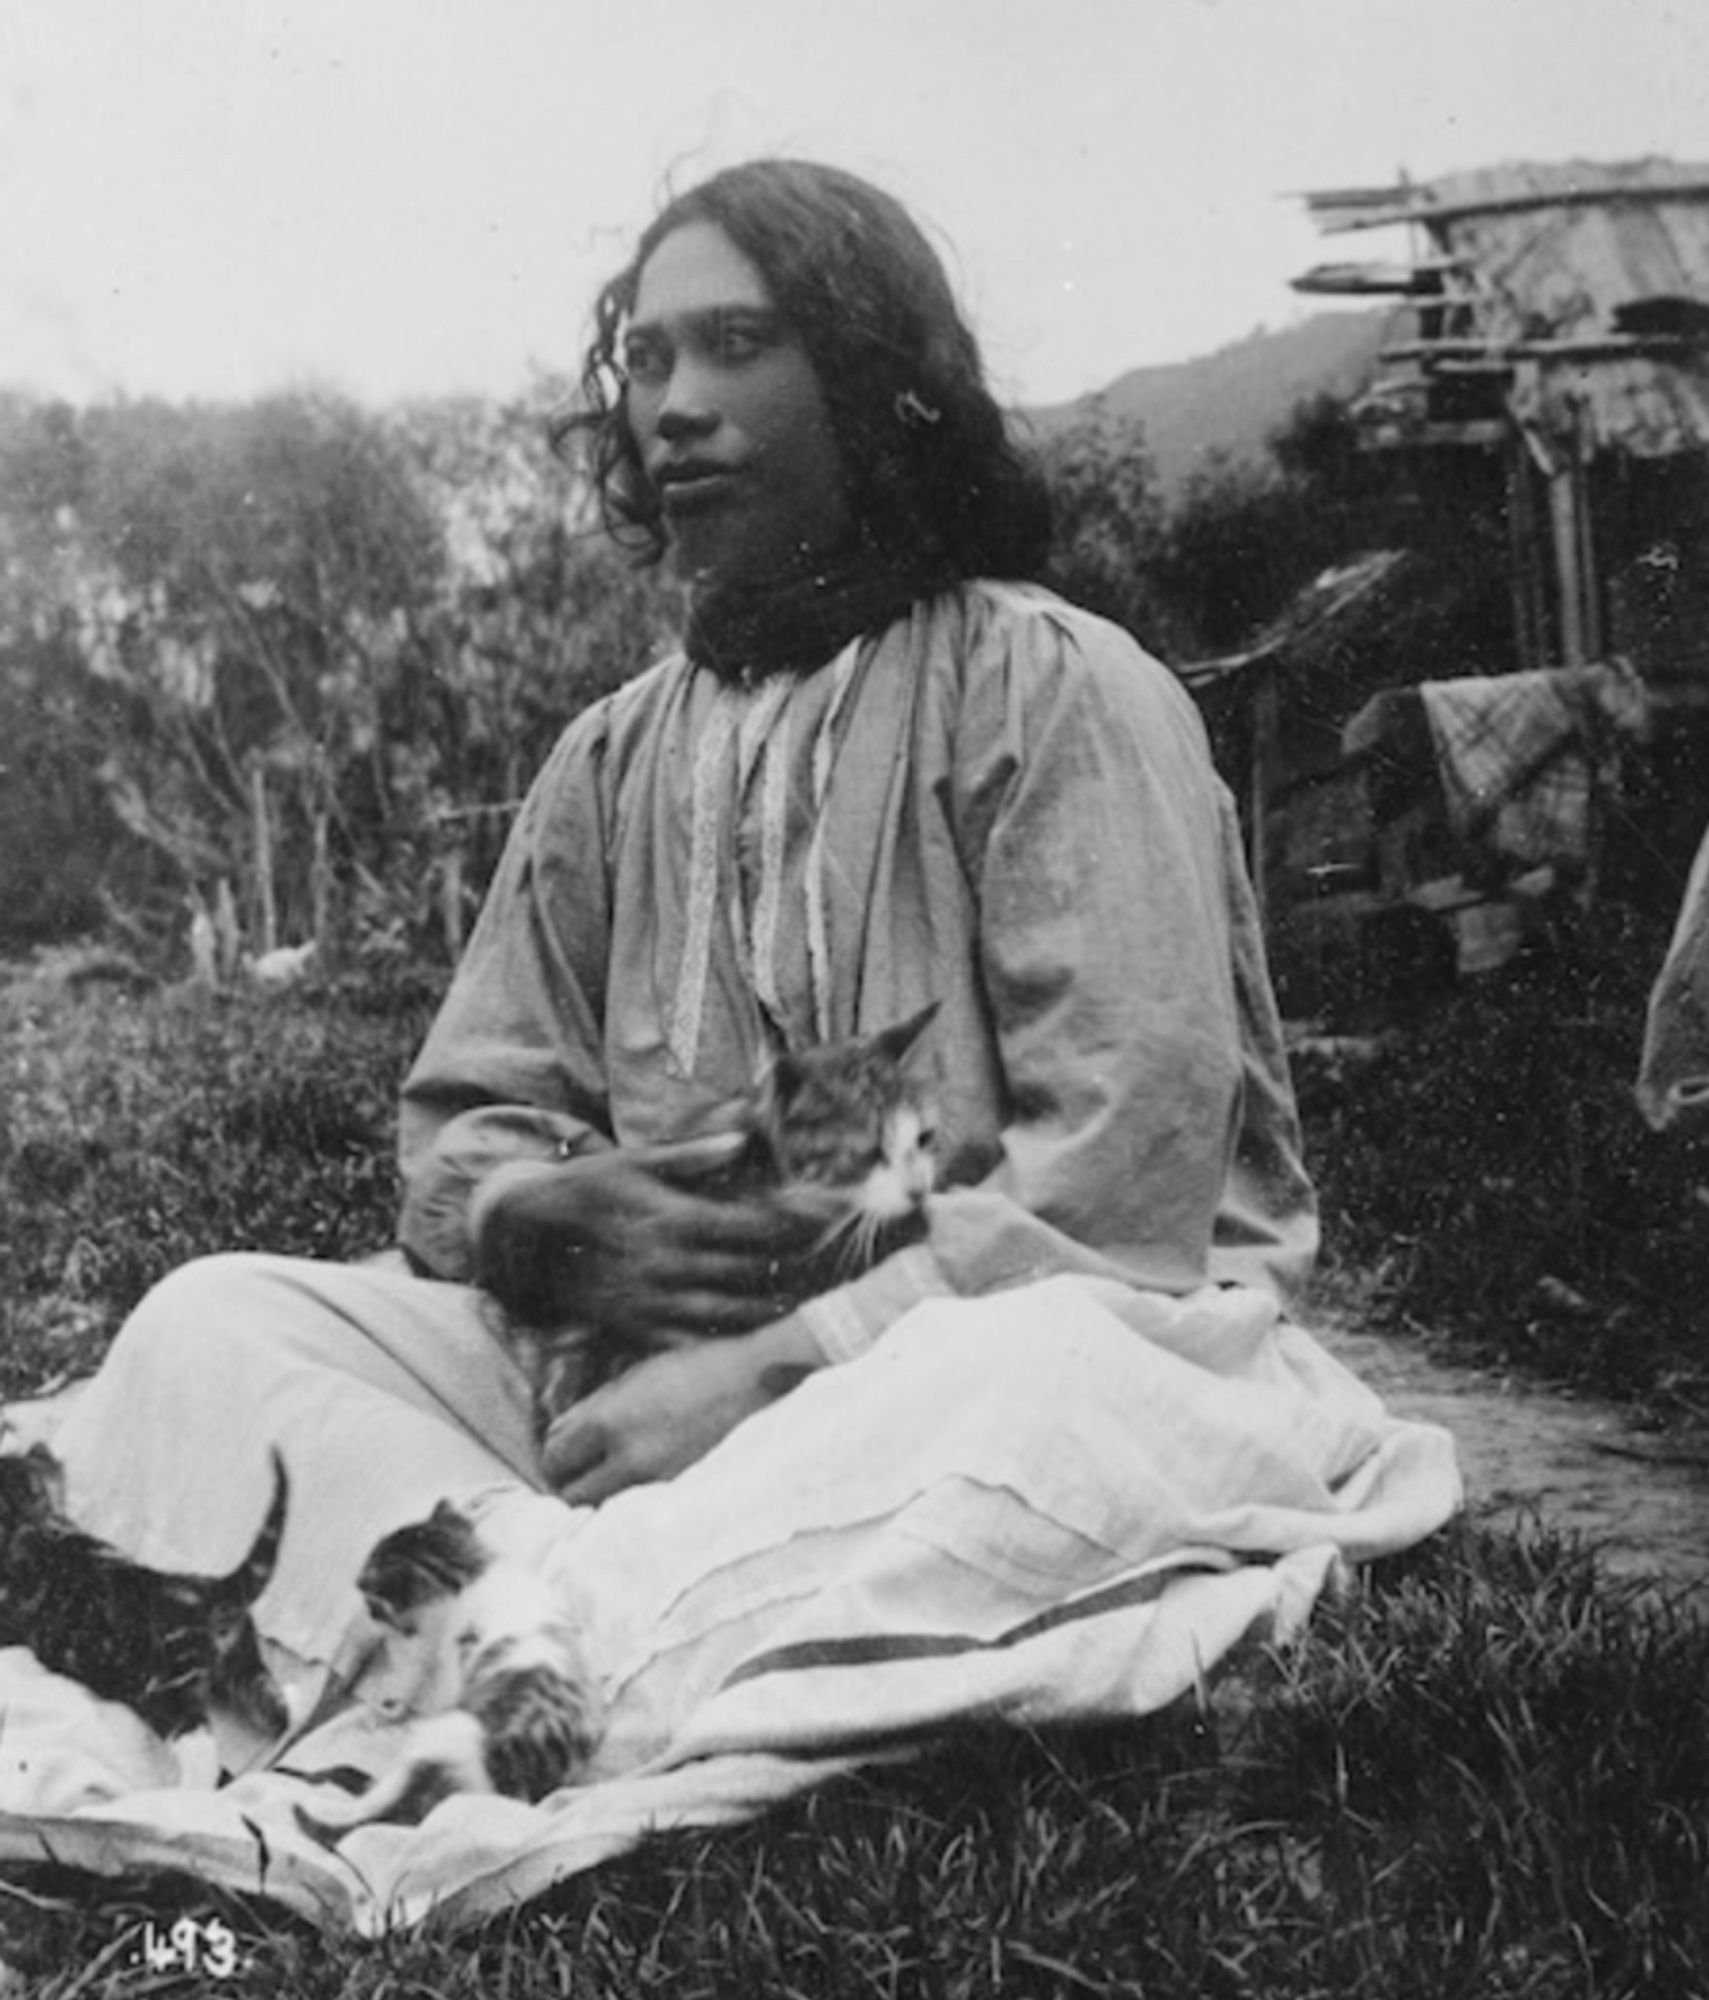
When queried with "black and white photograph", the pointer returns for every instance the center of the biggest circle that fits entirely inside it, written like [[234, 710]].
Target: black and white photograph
[[854, 999]]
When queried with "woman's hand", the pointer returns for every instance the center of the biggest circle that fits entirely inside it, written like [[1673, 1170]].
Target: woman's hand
[[672, 1408], [639, 1247]]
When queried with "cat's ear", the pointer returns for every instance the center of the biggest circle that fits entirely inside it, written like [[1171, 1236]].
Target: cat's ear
[[897, 1041], [785, 1077]]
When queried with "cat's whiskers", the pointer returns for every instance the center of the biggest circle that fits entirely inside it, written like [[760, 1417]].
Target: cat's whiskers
[[849, 1241], [832, 1237], [845, 1241]]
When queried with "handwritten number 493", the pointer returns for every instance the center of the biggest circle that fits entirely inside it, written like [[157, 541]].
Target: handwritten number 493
[[189, 1946]]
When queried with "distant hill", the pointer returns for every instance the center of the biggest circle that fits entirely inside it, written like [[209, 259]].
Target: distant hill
[[1231, 401]]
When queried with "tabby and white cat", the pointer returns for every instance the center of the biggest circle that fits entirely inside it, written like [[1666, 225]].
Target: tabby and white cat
[[846, 1124], [493, 1639], [173, 1648], [845, 1130]]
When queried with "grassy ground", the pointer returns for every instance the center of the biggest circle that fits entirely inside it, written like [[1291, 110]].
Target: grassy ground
[[1484, 1772], [142, 1128], [1486, 1176]]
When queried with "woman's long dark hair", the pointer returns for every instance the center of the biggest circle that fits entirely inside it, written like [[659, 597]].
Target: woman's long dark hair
[[933, 474]]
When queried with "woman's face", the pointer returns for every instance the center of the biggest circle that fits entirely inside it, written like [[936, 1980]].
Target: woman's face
[[728, 416]]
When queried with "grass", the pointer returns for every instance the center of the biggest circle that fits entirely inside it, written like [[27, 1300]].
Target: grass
[[1486, 1176], [142, 1129], [1484, 1771]]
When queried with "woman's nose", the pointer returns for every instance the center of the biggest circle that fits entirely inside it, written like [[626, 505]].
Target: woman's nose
[[680, 423], [688, 405]]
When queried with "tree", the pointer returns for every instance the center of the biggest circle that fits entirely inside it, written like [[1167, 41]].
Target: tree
[[292, 657], [58, 837], [1247, 535], [1108, 522], [536, 615], [244, 578]]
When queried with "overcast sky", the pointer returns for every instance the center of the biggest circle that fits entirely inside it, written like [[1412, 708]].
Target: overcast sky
[[216, 197]]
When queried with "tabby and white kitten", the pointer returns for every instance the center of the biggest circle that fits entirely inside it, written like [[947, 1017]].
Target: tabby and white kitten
[[846, 1131], [846, 1125], [495, 1643], [172, 1648]]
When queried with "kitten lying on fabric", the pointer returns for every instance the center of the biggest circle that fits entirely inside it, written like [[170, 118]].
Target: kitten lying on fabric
[[845, 1131], [171, 1647], [495, 1643]]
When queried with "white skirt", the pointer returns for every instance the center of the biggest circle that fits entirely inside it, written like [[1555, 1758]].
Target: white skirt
[[1064, 1501]]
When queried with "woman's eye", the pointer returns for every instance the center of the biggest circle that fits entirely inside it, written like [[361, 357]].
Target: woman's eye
[[745, 336], [739, 343], [647, 363], [716, 340]]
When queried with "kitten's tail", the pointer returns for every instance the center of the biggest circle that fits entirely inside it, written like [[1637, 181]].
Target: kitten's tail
[[242, 1586]]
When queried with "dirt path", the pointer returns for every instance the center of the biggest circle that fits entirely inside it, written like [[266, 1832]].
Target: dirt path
[[1579, 1465]]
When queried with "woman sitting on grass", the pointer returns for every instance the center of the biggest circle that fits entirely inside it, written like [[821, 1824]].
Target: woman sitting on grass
[[887, 770]]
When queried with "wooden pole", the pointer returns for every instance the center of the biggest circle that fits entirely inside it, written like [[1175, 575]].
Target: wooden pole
[[1589, 576], [1266, 714], [320, 886], [451, 916], [1524, 569], [263, 837], [227, 931], [1569, 574], [1345, 209]]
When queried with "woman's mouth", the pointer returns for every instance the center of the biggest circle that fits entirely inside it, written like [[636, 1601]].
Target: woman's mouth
[[686, 489]]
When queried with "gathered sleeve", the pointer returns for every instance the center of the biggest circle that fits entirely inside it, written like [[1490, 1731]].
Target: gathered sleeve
[[512, 1070], [1146, 1129]]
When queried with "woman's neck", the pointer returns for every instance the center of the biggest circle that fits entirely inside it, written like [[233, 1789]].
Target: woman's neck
[[798, 620]]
